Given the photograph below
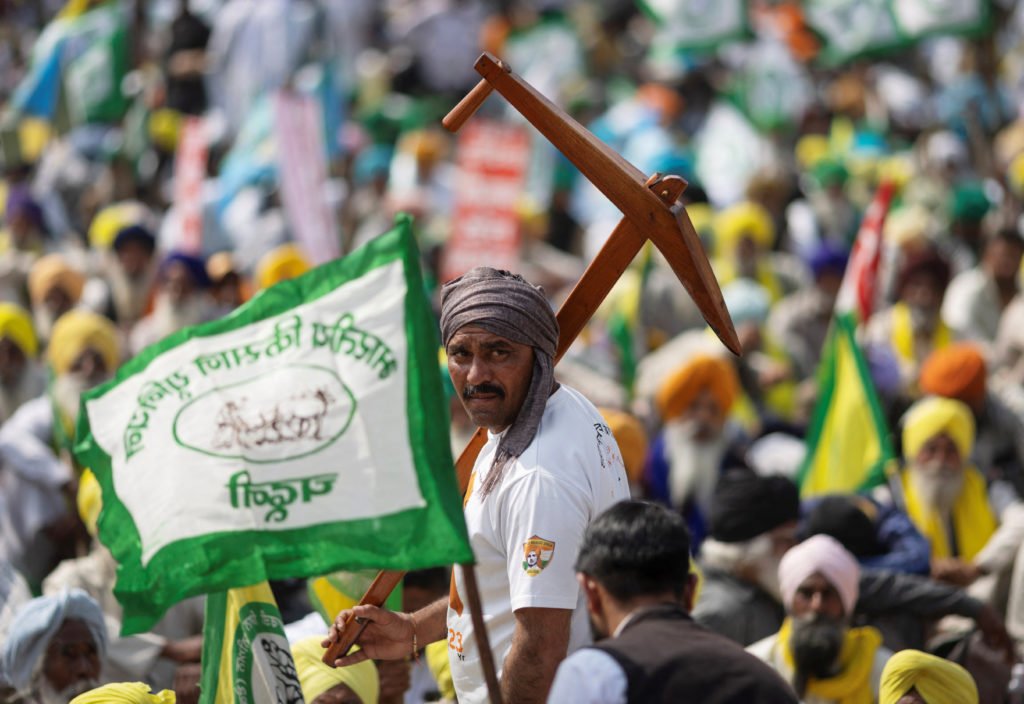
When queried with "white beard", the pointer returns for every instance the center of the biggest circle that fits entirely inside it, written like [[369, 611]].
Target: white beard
[[43, 320], [49, 695], [169, 317], [67, 393], [128, 295], [693, 465], [741, 558], [938, 487]]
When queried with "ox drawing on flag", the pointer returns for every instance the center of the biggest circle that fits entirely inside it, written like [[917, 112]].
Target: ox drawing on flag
[[302, 434]]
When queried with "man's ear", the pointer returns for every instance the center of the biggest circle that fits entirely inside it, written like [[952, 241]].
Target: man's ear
[[591, 592], [690, 592]]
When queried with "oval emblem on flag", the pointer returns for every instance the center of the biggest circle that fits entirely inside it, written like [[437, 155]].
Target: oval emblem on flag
[[285, 414]]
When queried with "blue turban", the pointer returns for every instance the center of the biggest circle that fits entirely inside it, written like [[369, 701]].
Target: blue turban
[[20, 202], [826, 257], [196, 267], [134, 233], [37, 622]]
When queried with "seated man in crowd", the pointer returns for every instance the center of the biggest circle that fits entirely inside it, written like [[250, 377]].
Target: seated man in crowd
[[55, 648], [21, 378], [634, 567], [913, 677], [972, 532], [816, 650]]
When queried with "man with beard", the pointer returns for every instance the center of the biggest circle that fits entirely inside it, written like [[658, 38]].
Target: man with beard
[[753, 523], [912, 327], [549, 466], [54, 287], [973, 529], [181, 300], [20, 377], [34, 478], [55, 648], [976, 299], [634, 567], [686, 458], [816, 650], [128, 270]]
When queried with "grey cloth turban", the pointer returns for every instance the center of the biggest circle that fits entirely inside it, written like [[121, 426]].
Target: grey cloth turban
[[507, 305]]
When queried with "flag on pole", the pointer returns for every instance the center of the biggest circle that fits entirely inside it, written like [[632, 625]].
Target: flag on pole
[[848, 445], [921, 18], [246, 656], [698, 24], [305, 433]]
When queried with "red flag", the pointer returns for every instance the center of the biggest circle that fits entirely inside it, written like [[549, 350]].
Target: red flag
[[857, 292]]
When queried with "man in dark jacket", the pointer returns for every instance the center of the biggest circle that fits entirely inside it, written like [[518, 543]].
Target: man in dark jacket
[[634, 567]]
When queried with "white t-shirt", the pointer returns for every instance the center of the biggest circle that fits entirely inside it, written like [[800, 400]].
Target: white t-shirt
[[526, 533]]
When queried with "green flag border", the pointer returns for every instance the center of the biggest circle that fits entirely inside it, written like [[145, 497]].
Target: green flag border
[[844, 329], [219, 561]]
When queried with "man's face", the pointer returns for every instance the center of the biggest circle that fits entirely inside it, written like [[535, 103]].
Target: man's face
[[57, 302], [922, 293], [706, 416], [937, 472], [90, 367], [72, 660], [178, 283], [491, 374], [12, 362], [134, 258], [1002, 259], [338, 694], [819, 627], [817, 596], [911, 697]]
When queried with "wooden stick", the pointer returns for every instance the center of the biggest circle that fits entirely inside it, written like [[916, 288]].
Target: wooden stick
[[458, 115], [483, 641], [382, 586]]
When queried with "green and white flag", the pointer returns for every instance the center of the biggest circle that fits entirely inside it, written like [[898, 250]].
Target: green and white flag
[[919, 18], [306, 432], [851, 28], [698, 24]]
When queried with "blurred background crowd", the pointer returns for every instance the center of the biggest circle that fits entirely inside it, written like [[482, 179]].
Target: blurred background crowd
[[148, 183]]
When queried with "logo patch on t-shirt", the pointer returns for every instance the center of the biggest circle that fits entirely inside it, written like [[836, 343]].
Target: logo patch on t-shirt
[[537, 554]]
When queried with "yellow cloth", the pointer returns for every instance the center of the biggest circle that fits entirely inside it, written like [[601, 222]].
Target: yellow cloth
[[746, 219], [316, 677], [79, 330], [938, 681], [16, 324], [857, 658], [112, 219], [54, 271], [631, 438], [125, 693], [903, 342], [973, 519], [280, 264], [681, 387], [937, 415], [441, 668], [89, 500]]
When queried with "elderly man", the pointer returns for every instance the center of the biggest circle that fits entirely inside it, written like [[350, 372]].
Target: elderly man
[[129, 270], [550, 464], [816, 650], [322, 684], [54, 287], [21, 379], [83, 352], [634, 566], [686, 458], [55, 648], [181, 300], [973, 529], [913, 677]]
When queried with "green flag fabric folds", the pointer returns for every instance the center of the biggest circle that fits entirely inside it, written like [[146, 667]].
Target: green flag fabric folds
[[306, 432]]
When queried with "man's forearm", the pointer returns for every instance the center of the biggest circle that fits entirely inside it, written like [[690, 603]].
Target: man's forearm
[[431, 622]]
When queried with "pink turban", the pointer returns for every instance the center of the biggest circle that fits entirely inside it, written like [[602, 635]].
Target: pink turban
[[823, 555]]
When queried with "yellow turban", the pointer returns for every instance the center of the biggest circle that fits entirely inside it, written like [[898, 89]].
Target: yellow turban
[[54, 271], [934, 416], [681, 387], [280, 264], [938, 681], [77, 331], [112, 219], [125, 693], [740, 221], [631, 438], [16, 325], [316, 677]]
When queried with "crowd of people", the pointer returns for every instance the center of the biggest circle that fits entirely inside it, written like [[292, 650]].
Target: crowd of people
[[911, 590]]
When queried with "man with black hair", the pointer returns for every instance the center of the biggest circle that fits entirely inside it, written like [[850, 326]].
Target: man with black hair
[[634, 569]]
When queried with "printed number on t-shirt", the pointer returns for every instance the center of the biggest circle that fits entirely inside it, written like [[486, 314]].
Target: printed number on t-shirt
[[455, 642]]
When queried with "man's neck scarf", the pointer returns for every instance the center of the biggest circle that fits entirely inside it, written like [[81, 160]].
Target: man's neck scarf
[[857, 658], [506, 305], [972, 517]]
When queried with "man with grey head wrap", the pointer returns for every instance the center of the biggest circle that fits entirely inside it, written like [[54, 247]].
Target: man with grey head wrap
[[54, 647], [549, 466]]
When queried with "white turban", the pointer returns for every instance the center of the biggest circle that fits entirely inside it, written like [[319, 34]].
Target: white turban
[[824, 555], [35, 625]]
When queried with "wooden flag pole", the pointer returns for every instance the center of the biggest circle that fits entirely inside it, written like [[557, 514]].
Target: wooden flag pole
[[476, 612], [651, 213]]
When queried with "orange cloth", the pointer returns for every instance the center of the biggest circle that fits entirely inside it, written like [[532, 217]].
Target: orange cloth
[[956, 371], [631, 438], [53, 271], [681, 387]]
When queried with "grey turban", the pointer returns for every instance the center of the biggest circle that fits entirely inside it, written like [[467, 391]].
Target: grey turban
[[507, 305], [37, 622]]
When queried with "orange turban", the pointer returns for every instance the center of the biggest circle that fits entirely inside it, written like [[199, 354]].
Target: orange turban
[[955, 371], [631, 438], [681, 387], [53, 271]]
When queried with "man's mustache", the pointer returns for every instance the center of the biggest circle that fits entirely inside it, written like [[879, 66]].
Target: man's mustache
[[470, 391]]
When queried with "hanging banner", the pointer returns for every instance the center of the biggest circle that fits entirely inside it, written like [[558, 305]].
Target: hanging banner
[[492, 159], [189, 172], [302, 160]]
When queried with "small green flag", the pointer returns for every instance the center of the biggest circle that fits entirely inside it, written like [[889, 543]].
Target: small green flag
[[305, 433]]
